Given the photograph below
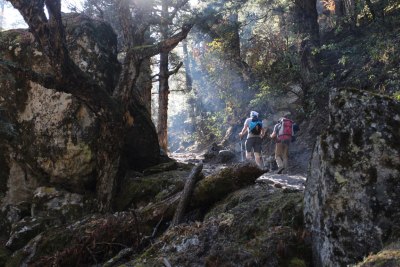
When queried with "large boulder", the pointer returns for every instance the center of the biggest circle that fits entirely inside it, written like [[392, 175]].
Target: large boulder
[[352, 196], [55, 139]]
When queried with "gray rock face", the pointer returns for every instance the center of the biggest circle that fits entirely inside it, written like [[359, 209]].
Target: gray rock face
[[352, 196], [55, 134]]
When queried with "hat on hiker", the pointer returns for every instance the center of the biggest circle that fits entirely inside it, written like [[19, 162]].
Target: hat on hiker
[[253, 114]]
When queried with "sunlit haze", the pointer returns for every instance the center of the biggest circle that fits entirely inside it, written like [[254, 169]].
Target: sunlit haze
[[12, 18]]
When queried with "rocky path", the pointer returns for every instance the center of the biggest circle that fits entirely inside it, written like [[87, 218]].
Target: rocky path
[[289, 180]]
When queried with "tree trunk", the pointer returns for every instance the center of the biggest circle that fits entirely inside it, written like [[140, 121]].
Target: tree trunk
[[307, 18], [144, 84], [163, 90], [188, 72], [189, 87], [339, 10]]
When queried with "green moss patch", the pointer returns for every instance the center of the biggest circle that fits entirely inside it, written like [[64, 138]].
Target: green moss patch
[[141, 190]]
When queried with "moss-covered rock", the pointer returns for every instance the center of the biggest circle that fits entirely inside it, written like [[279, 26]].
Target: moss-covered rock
[[55, 134], [217, 186], [139, 191], [163, 167], [352, 196]]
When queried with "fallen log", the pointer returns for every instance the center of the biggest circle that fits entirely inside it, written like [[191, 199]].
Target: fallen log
[[217, 186], [187, 192], [208, 191]]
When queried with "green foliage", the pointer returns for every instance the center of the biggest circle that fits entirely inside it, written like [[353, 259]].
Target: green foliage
[[271, 60], [343, 60], [296, 262], [264, 94], [213, 126], [396, 95]]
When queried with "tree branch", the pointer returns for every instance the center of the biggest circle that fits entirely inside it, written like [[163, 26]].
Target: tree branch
[[191, 181], [171, 72], [176, 69], [177, 7], [163, 46]]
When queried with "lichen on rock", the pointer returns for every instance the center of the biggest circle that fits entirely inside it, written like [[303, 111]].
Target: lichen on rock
[[352, 196], [55, 141]]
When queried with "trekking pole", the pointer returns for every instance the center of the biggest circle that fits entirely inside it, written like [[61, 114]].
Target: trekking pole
[[271, 142], [262, 158]]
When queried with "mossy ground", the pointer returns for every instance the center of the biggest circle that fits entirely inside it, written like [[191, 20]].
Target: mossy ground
[[252, 227]]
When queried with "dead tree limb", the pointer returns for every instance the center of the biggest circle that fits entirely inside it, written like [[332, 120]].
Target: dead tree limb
[[193, 178]]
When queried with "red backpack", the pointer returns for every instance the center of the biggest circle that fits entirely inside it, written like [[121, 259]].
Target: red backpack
[[285, 130]]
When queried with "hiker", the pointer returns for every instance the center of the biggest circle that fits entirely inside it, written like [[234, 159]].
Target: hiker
[[255, 133], [283, 134]]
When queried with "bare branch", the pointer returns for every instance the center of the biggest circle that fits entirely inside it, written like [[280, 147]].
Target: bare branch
[[171, 72], [176, 69], [163, 46], [177, 7], [191, 181]]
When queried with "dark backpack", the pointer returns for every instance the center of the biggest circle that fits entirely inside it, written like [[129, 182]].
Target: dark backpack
[[255, 126]]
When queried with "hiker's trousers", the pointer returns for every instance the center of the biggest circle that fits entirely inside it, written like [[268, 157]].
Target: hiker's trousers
[[282, 154]]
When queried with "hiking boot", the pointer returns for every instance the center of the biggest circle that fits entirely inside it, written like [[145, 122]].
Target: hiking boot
[[280, 170]]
